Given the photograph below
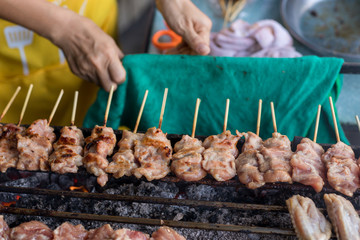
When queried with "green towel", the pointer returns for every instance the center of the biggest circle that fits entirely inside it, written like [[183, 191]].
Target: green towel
[[296, 86]]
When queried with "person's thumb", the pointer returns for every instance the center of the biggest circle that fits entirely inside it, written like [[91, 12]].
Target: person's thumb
[[196, 41]]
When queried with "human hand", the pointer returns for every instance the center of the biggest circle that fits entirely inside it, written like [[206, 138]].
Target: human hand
[[184, 18], [91, 53]]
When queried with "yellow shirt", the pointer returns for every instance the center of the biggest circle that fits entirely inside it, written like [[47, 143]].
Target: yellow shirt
[[27, 58]]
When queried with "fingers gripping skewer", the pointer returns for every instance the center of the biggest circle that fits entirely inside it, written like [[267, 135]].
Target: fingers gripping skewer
[[55, 107], [195, 117], [334, 119], [317, 123], [226, 114], [273, 116], [10, 102], [357, 121], [108, 104], [25, 104], [141, 111], [163, 107], [258, 118], [74, 108]]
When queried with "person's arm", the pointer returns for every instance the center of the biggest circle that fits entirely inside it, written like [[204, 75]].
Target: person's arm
[[91, 53], [184, 18]]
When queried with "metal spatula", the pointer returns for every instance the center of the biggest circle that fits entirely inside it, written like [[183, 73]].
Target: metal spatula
[[19, 37]]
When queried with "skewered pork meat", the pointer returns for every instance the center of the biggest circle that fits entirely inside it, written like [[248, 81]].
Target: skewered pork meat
[[127, 234], [166, 233], [33, 230], [99, 145], [277, 154], [248, 162], [104, 232], [124, 162], [186, 162], [153, 152], [307, 166], [219, 155], [67, 231], [35, 146], [343, 216], [4, 229], [308, 221], [68, 150], [342, 170], [9, 153]]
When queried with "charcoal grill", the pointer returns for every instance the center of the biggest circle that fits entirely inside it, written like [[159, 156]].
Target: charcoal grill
[[198, 210]]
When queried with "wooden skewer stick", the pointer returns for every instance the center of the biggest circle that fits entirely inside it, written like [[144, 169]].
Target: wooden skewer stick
[[226, 114], [258, 118], [195, 117], [223, 7], [108, 104], [334, 119], [236, 9], [141, 111], [317, 123], [25, 104], [357, 121], [273, 116], [163, 107], [10, 102], [76, 96], [55, 106], [227, 13]]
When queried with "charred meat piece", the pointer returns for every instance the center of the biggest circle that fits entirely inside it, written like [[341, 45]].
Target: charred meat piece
[[277, 154], [67, 231], [343, 216], [124, 162], [307, 166], [104, 232], [166, 233], [308, 221], [4, 229], [219, 155], [342, 169], [98, 146], [33, 230], [9, 154], [68, 151], [127, 234], [35, 146], [186, 162], [40, 127], [153, 152], [248, 162]]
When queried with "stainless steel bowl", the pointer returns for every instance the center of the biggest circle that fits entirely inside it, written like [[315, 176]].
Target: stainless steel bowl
[[328, 27]]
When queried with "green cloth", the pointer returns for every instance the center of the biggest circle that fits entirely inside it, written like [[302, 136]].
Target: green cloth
[[296, 86]]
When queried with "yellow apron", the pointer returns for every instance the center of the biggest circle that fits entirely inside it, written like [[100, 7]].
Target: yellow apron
[[26, 58]]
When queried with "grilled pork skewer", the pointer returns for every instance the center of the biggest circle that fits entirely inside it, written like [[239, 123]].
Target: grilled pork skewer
[[343, 216], [67, 231], [166, 233], [220, 153], [342, 169], [99, 145], [31, 230], [68, 150], [4, 229], [124, 162], [186, 162], [153, 151], [308, 221], [9, 154], [277, 154], [36, 145], [306, 163], [248, 162]]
